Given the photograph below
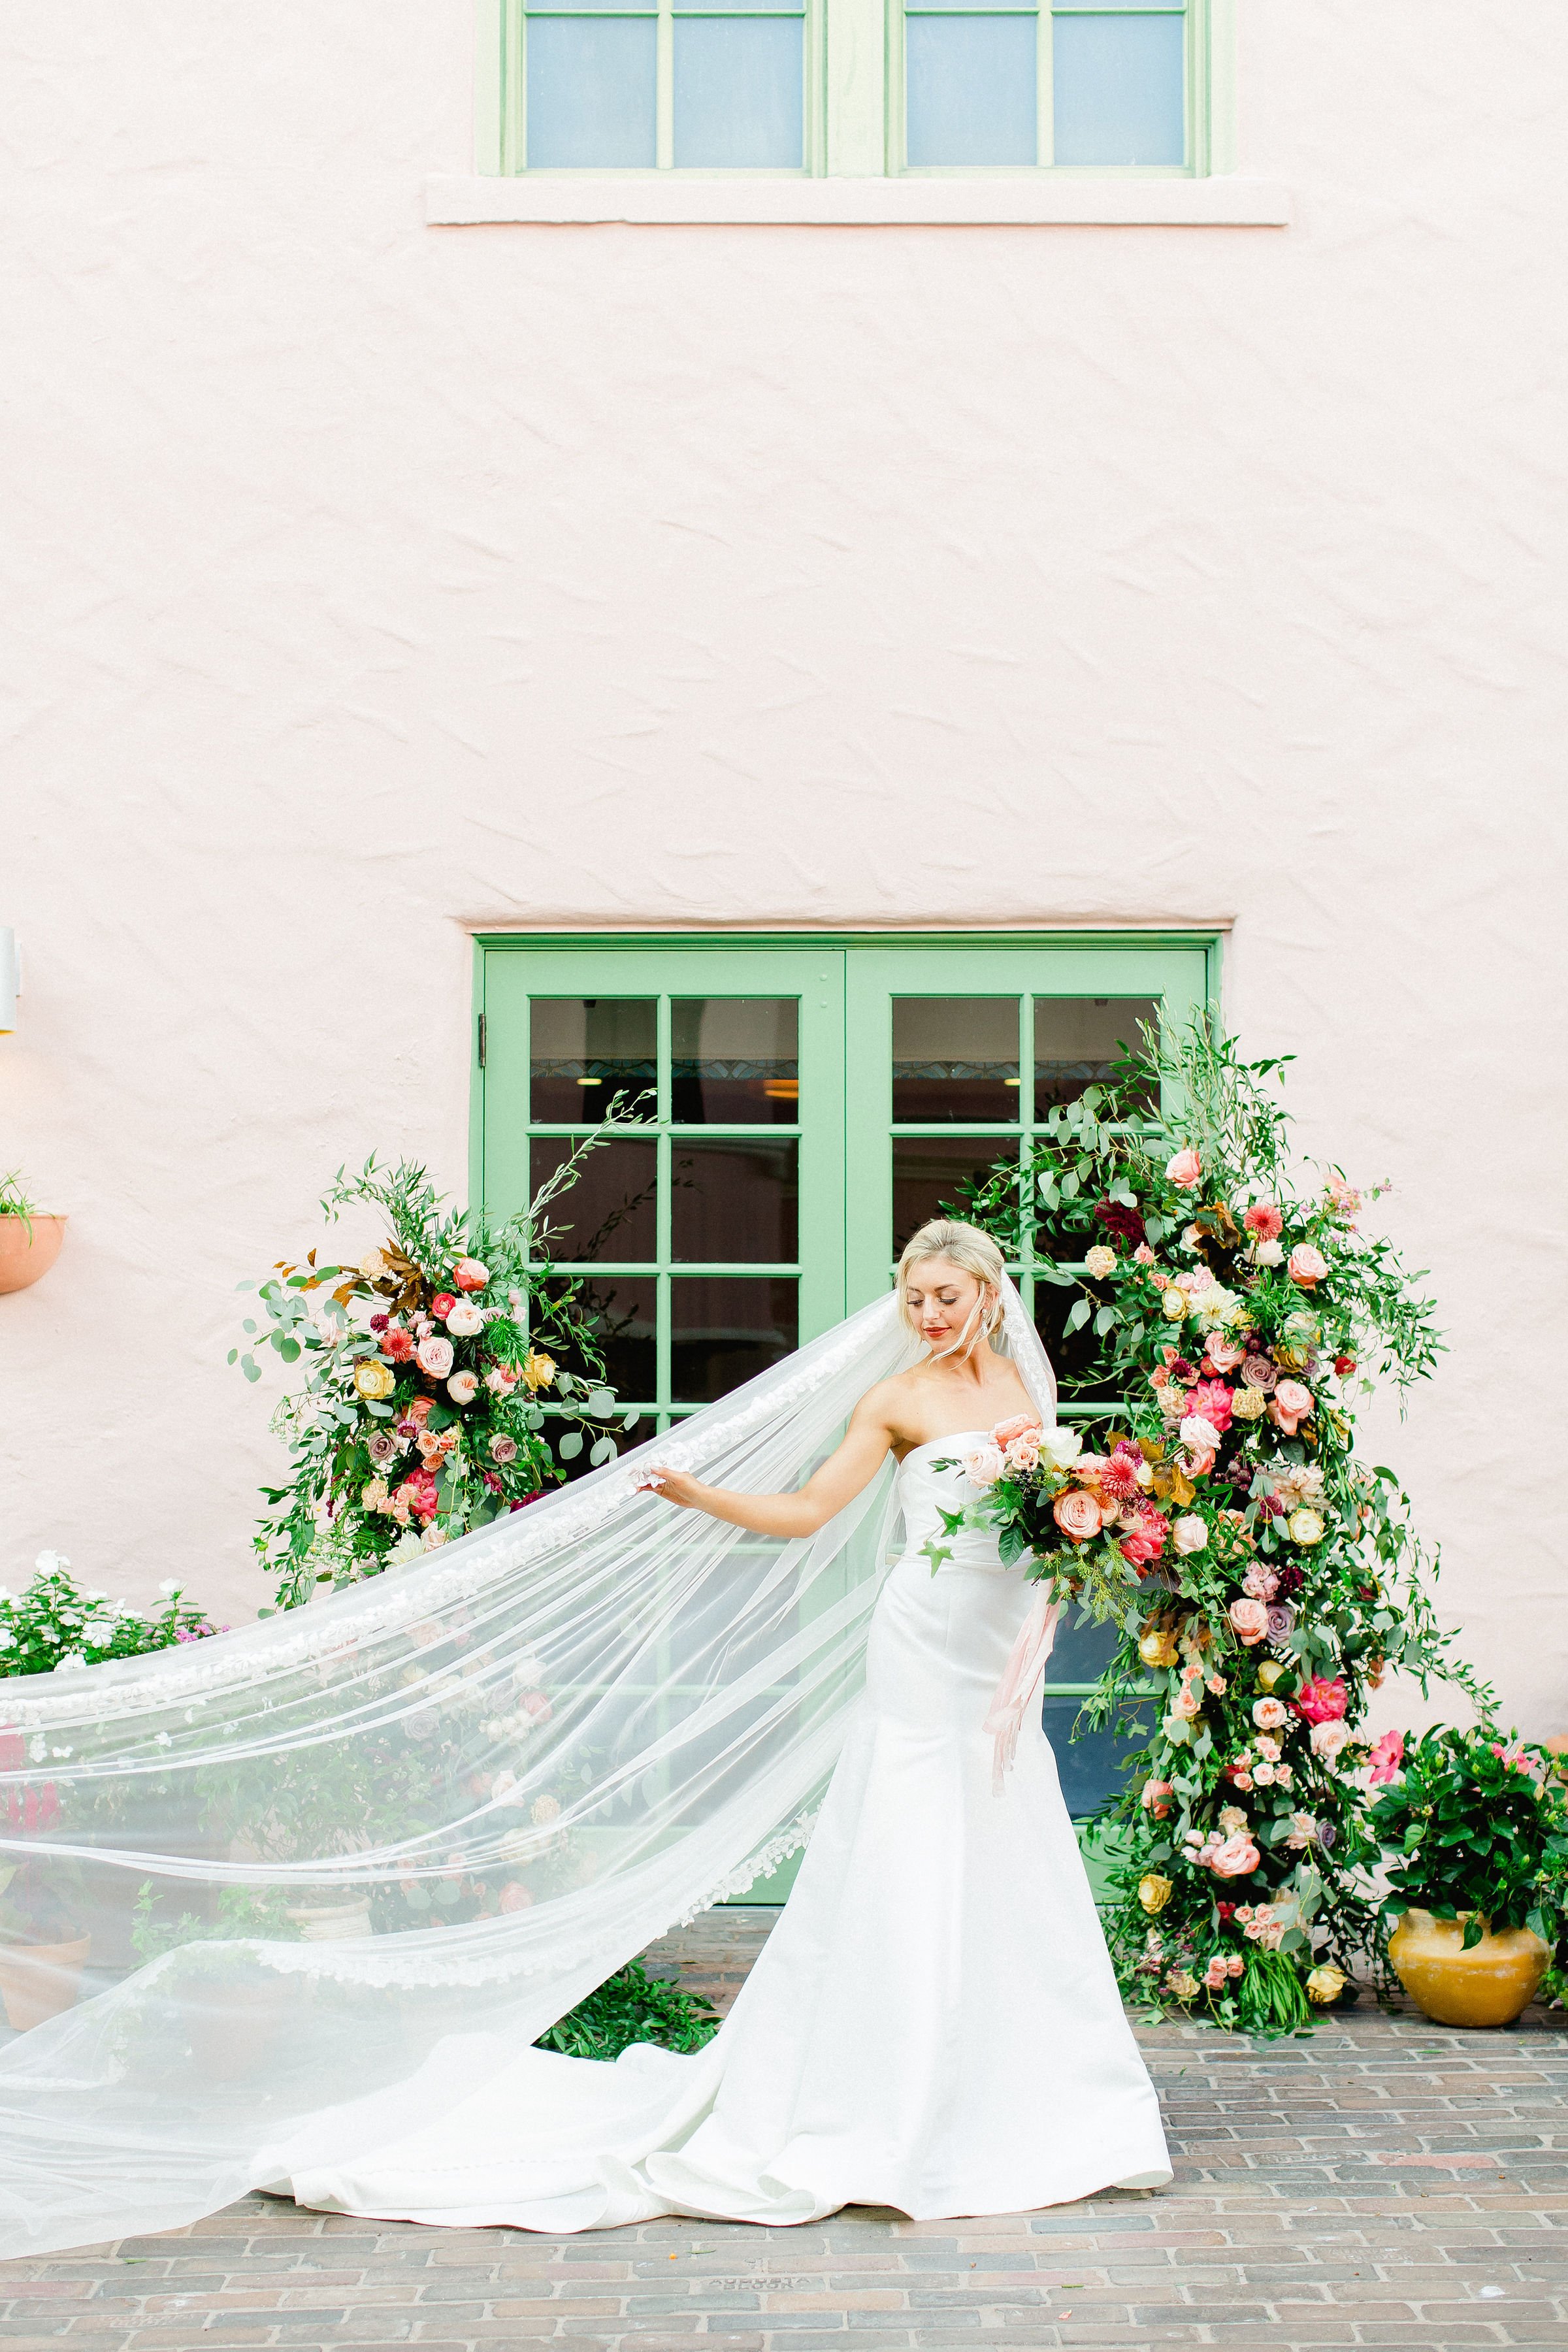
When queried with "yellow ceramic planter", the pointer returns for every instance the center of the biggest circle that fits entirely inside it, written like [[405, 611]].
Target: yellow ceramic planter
[[1487, 1985]]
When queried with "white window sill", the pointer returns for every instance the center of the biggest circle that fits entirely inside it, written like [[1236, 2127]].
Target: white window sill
[[1221, 202]]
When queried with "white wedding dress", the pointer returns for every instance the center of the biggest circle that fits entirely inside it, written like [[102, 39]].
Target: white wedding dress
[[934, 2024]]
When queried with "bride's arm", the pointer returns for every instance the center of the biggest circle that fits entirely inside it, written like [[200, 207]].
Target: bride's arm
[[851, 1465]]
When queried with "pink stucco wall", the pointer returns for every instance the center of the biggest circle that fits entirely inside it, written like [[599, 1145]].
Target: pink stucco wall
[[365, 581]]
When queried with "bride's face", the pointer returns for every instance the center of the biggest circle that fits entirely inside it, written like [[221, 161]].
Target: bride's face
[[941, 1298]]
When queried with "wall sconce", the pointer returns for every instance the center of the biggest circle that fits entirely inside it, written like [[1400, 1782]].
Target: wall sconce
[[10, 981]]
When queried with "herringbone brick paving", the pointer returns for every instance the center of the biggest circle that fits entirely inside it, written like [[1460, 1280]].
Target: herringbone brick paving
[[1388, 2183]]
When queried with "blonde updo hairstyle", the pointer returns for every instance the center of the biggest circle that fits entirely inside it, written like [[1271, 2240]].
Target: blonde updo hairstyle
[[965, 1246]]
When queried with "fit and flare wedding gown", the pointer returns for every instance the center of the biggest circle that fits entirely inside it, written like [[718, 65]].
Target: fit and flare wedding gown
[[934, 2024]]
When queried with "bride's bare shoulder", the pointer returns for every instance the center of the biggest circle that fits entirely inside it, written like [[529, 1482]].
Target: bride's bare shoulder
[[887, 1406]]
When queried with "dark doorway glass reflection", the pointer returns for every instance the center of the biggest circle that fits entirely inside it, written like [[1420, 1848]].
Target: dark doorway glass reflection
[[1079, 1039], [609, 1211], [931, 1171], [735, 1060], [734, 1202], [585, 1050], [1092, 1767], [723, 1328], [954, 1057], [623, 1310]]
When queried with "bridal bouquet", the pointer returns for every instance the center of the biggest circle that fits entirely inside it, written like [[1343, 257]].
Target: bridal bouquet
[[1093, 1527]]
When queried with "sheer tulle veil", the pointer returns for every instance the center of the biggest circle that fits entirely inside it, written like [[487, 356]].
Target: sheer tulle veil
[[604, 1714]]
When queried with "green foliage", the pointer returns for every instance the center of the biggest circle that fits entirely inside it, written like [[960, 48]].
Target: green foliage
[[449, 1377], [1223, 1317], [629, 2007], [53, 1622], [1477, 1827], [14, 1202]]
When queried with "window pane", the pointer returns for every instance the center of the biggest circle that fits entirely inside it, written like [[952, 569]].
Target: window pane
[[1077, 1038], [734, 1202], [725, 1328], [738, 90], [1091, 1767], [590, 90], [1072, 1354], [608, 1212], [623, 1310], [586, 1049], [955, 1058], [929, 1169], [735, 1059], [1081, 1653], [1120, 89], [971, 89]]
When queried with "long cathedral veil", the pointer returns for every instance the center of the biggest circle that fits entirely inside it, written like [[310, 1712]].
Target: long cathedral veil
[[436, 1808]]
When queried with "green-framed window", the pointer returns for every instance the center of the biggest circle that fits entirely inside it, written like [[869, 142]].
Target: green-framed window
[[856, 87], [802, 1106]]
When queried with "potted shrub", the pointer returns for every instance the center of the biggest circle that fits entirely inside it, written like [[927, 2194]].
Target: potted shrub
[[1477, 1830], [29, 1242]]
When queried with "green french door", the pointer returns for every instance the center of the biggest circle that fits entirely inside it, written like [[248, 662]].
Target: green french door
[[798, 1108]]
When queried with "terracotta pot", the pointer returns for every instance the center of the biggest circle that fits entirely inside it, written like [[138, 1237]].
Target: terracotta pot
[[1487, 1985], [39, 1981], [24, 1256]]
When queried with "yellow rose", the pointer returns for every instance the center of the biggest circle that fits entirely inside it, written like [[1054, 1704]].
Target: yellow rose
[[1183, 1984], [539, 1370], [1157, 1647], [1269, 1672], [1305, 1527], [1155, 1892], [1173, 1304], [375, 1380], [1324, 1985], [1248, 1404], [1291, 1359]]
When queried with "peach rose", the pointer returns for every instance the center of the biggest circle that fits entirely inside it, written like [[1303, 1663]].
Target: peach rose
[[1077, 1515], [1224, 1355], [1237, 1858], [464, 1320], [1099, 1262], [470, 1274], [1263, 1220], [1328, 1738], [982, 1464], [515, 1896], [463, 1387], [1190, 1533], [1024, 1451], [1249, 1621], [1155, 1797], [1289, 1404], [1184, 1169], [1308, 1266], [1007, 1431], [1268, 1713]]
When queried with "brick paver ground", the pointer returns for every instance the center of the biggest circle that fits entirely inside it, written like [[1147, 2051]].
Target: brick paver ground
[[1386, 2183]]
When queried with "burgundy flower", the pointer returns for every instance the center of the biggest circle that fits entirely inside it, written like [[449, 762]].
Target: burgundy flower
[[1118, 1219], [1290, 1578], [379, 1322]]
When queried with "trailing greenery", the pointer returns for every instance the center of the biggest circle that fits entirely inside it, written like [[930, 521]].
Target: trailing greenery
[[632, 2006], [1225, 1316], [436, 1396]]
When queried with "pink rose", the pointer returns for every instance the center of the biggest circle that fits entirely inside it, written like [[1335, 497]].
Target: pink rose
[[434, 1357], [1263, 1220], [535, 1703], [1262, 1582], [1223, 1354], [1199, 1434], [500, 1380], [442, 1304], [470, 1274], [1249, 1621], [1077, 1515], [982, 1464], [1145, 1538], [1155, 1797], [1144, 1255], [463, 1387], [1321, 1699], [1024, 1451], [1007, 1431], [515, 1896], [1308, 1266], [503, 1449], [1268, 1713], [1387, 1757], [1237, 1858], [1289, 1403], [1211, 1400], [1184, 1169], [1328, 1738]]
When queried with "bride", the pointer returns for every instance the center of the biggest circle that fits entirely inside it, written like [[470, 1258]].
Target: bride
[[933, 2023]]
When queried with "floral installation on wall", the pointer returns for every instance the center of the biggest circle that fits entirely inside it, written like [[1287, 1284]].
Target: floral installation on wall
[[435, 1394], [1264, 1579]]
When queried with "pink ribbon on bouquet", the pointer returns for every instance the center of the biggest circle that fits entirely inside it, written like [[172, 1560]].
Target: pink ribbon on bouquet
[[1020, 1680]]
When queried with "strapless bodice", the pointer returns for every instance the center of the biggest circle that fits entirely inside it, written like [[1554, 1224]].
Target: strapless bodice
[[925, 1492]]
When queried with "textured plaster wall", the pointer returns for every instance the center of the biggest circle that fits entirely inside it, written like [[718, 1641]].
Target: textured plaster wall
[[363, 582]]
